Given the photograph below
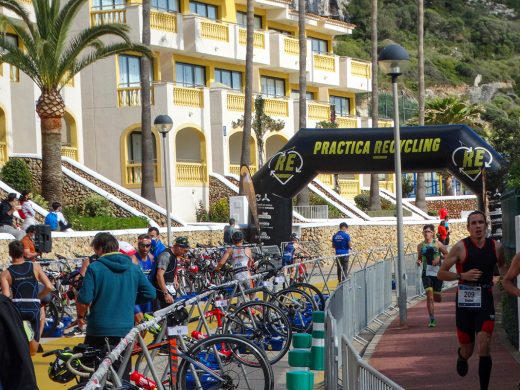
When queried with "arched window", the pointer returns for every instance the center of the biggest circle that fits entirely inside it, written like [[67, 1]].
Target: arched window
[[132, 158]]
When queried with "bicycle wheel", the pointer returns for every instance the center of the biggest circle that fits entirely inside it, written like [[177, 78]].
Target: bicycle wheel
[[239, 363], [159, 355], [52, 314], [298, 306], [264, 324], [313, 291]]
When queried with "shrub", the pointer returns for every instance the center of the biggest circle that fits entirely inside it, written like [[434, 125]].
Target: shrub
[[201, 213], [362, 200], [40, 201], [17, 175], [219, 211], [95, 206]]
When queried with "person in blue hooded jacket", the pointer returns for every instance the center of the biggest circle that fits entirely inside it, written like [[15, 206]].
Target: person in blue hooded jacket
[[111, 287]]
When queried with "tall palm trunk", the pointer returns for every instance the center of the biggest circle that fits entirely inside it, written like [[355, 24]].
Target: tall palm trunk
[[245, 158], [303, 196], [420, 189], [51, 108], [375, 199], [147, 163]]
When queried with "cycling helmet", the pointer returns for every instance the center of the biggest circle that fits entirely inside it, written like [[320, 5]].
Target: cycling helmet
[[58, 371], [294, 237], [127, 248], [237, 236]]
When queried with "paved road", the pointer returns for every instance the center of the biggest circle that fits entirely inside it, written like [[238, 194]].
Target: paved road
[[424, 358]]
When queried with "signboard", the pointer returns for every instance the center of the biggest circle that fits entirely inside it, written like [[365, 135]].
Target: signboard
[[495, 215], [274, 217]]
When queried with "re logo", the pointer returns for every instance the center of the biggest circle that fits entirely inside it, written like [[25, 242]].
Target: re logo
[[470, 161], [284, 165]]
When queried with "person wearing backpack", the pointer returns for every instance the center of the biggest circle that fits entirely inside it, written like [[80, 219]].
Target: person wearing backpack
[[56, 220]]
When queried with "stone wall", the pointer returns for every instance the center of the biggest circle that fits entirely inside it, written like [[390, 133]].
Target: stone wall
[[453, 205], [317, 238], [218, 190]]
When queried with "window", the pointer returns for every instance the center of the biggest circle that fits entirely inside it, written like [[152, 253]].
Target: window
[[129, 71], [295, 94], [108, 4], [190, 75], [134, 146], [165, 5], [341, 104], [318, 45], [230, 78], [202, 9], [272, 86], [242, 20]]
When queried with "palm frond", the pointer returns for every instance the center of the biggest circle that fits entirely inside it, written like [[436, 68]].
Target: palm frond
[[65, 19], [20, 11]]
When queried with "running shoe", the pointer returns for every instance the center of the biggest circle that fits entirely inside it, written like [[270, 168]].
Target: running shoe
[[462, 365], [76, 331], [432, 324]]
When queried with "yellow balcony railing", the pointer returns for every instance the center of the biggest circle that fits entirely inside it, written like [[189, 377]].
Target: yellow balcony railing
[[131, 96], [325, 62], [387, 185], [14, 73], [235, 169], [291, 46], [360, 69], [258, 38], [349, 187], [327, 179], [191, 173], [134, 173], [188, 97], [163, 21], [276, 107], [235, 102], [27, 1], [69, 151], [346, 123], [318, 112], [213, 30], [3, 153], [100, 17], [385, 123]]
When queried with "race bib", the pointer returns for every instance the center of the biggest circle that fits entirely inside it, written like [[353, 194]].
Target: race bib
[[469, 296], [432, 270], [171, 289]]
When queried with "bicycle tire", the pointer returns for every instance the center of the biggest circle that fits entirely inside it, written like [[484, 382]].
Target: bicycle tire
[[52, 313], [263, 323], [255, 376], [298, 306], [317, 294]]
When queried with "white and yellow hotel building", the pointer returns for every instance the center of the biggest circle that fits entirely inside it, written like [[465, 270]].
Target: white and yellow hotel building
[[198, 80]]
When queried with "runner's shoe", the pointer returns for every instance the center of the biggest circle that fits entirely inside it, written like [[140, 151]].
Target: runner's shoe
[[462, 365], [76, 331], [432, 324]]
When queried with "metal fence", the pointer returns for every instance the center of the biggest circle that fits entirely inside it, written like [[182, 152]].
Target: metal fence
[[313, 212]]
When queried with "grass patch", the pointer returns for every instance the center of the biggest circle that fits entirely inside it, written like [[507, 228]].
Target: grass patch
[[386, 213], [107, 223]]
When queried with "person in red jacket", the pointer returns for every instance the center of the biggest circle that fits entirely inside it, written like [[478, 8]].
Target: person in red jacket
[[442, 233]]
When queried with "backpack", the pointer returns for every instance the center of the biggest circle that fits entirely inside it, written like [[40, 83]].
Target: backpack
[[52, 220]]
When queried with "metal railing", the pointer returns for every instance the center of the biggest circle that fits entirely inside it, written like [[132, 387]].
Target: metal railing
[[313, 212]]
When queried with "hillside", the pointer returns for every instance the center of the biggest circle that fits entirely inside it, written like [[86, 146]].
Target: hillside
[[463, 38]]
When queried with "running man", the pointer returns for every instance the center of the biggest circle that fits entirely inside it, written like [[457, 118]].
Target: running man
[[509, 281], [22, 278], [240, 258], [429, 256], [475, 258]]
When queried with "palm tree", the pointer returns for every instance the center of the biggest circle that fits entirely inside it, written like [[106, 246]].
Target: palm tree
[[452, 110], [51, 56], [420, 189], [303, 196], [375, 199], [147, 163], [245, 157]]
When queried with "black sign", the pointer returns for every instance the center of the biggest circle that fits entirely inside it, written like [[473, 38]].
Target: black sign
[[275, 218], [495, 214]]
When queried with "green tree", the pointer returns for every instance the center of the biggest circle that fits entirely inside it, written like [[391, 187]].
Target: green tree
[[17, 175], [50, 54], [262, 125]]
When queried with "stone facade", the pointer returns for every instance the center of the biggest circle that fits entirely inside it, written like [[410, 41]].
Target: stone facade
[[218, 190], [454, 206], [317, 238]]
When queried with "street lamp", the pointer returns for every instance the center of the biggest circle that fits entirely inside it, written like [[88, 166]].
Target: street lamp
[[393, 60], [163, 124]]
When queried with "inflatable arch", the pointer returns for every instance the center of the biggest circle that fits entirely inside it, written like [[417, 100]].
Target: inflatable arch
[[456, 148]]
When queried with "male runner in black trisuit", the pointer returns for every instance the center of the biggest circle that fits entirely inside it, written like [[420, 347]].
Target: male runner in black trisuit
[[475, 258]]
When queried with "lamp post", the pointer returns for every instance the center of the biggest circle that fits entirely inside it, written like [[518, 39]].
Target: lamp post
[[393, 60], [163, 124]]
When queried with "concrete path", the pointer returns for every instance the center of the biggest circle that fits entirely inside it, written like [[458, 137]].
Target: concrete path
[[424, 358]]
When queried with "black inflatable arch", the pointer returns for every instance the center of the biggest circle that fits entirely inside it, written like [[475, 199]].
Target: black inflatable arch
[[456, 148]]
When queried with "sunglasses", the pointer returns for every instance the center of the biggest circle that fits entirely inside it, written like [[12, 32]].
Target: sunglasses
[[145, 245]]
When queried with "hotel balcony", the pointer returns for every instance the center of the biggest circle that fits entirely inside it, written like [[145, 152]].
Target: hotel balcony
[[355, 75], [165, 27], [209, 38], [261, 43], [320, 111], [322, 69], [284, 53]]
